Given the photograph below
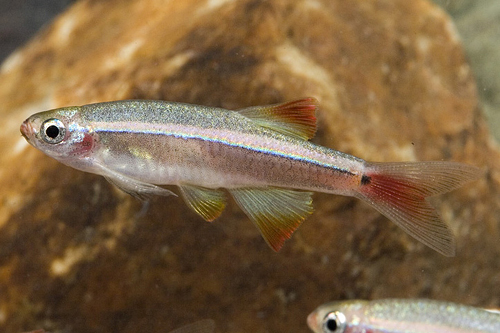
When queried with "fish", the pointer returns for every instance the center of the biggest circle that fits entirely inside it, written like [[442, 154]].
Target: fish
[[261, 155], [402, 316]]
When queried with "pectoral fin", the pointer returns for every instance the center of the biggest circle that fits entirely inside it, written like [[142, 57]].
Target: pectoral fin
[[202, 326], [294, 118], [134, 187], [208, 203], [276, 212]]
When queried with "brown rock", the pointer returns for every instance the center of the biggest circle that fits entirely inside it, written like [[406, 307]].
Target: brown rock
[[393, 82]]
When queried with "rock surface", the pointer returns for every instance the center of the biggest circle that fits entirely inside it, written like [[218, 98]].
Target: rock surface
[[21, 19], [393, 82], [478, 23]]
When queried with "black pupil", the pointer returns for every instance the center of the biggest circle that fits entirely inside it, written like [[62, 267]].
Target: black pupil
[[52, 131], [331, 324]]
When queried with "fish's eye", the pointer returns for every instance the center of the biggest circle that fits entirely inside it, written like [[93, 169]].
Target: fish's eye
[[334, 322], [52, 131]]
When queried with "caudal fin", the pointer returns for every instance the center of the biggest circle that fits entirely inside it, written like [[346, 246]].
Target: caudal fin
[[399, 191]]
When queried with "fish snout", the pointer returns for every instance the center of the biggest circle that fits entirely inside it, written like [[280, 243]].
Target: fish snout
[[312, 321], [27, 129]]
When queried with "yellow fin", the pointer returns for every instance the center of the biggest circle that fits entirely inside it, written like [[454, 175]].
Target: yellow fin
[[294, 118], [276, 212], [208, 203]]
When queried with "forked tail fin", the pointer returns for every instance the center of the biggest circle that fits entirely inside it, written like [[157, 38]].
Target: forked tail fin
[[399, 191]]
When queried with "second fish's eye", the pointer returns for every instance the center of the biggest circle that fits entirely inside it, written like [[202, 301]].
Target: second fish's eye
[[52, 131], [334, 322]]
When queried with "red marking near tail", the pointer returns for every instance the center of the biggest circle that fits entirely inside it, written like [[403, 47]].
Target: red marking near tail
[[399, 191], [392, 190]]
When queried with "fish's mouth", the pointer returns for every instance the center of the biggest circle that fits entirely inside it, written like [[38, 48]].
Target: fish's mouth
[[312, 321], [27, 130]]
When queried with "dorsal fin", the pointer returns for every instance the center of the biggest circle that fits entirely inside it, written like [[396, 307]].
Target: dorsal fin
[[294, 118]]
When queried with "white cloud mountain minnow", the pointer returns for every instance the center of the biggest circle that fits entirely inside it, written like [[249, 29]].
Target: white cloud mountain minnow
[[402, 316], [261, 155]]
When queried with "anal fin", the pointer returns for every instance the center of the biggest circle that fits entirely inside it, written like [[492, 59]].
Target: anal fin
[[208, 203], [276, 212]]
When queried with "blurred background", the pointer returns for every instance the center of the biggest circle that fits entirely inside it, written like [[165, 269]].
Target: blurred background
[[477, 21], [20, 20], [478, 24]]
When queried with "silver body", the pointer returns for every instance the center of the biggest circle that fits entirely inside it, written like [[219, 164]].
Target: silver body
[[173, 143], [406, 316]]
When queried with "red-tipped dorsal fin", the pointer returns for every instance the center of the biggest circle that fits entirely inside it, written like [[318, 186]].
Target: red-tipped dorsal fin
[[294, 118]]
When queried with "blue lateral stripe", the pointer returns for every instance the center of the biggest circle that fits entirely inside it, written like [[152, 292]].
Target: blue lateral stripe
[[226, 142]]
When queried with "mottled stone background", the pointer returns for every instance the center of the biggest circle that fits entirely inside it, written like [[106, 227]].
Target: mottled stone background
[[478, 23], [20, 20], [394, 84]]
